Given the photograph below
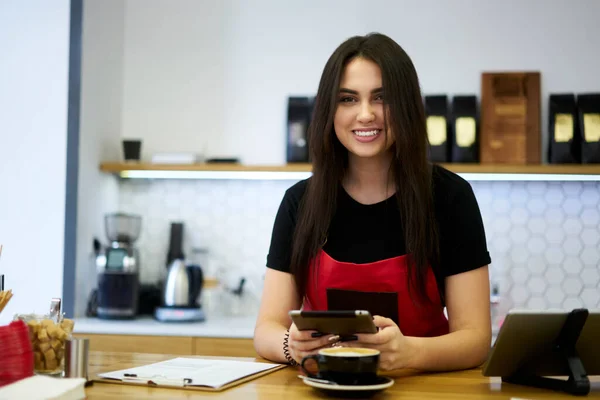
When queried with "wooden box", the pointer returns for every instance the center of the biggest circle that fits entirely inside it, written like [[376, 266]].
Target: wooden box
[[510, 118]]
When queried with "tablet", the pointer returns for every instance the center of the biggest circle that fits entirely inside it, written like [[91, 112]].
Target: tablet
[[526, 341], [341, 323]]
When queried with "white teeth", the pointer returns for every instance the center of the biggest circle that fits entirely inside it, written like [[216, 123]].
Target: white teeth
[[366, 133]]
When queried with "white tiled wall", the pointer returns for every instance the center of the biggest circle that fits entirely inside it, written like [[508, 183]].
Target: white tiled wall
[[233, 219], [544, 237]]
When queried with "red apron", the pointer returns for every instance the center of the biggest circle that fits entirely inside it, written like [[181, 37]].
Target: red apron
[[330, 279]]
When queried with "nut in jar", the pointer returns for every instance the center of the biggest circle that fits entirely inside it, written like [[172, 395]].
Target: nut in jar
[[48, 337]]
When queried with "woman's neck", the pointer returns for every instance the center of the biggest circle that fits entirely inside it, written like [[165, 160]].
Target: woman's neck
[[369, 180]]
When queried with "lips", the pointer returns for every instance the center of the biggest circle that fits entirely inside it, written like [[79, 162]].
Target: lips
[[366, 132], [367, 135]]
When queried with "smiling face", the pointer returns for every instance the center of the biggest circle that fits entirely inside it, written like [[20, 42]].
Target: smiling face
[[359, 117]]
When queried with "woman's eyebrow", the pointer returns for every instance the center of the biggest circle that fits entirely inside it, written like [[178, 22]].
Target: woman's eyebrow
[[350, 91]]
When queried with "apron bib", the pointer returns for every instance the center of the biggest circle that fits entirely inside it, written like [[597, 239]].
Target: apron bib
[[380, 287]]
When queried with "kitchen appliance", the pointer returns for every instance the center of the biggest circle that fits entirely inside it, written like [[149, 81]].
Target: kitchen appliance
[[182, 286], [117, 266]]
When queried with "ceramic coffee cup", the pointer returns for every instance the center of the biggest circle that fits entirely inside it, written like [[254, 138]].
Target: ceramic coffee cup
[[343, 365]]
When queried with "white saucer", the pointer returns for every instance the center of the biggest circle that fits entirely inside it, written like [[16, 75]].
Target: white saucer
[[385, 383]]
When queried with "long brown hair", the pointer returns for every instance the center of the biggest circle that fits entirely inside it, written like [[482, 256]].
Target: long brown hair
[[405, 117]]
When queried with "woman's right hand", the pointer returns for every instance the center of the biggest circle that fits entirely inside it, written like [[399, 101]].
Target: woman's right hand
[[302, 343]]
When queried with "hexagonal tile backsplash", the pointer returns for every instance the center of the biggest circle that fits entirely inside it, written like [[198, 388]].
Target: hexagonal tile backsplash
[[544, 237]]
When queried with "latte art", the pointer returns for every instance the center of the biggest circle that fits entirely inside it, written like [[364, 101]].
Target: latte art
[[349, 352]]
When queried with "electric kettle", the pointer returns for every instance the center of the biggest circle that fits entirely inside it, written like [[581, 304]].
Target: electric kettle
[[181, 292], [183, 285]]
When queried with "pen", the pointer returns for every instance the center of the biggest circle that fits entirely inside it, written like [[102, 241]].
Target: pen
[[157, 380]]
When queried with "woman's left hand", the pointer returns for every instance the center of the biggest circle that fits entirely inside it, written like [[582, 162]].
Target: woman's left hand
[[393, 345]]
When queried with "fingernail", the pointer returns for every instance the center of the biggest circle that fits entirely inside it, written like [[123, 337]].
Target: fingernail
[[334, 338], [317, 334]]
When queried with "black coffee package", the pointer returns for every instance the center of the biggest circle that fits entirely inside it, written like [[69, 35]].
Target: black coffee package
[[588, 109], [436, 112], [564, 140], [298, 119], [465, 129]]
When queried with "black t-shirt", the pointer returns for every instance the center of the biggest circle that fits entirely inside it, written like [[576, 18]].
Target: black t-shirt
[[367, 233]]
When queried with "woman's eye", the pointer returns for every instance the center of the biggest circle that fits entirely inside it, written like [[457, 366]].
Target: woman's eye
[[346, 99], [379, 97]]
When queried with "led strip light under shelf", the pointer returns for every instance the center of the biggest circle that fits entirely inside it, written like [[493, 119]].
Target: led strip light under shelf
[[298, 175], [246, 175]]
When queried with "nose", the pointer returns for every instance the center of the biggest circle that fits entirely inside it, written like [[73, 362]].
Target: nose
[[365, 114]]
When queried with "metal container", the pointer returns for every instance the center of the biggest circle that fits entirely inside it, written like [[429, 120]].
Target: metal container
[[77, 358]]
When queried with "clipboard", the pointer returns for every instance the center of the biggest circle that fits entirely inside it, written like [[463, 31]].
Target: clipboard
[[195, 378]]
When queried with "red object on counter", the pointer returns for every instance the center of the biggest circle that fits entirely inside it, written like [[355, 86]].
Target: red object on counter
[[16, 353]]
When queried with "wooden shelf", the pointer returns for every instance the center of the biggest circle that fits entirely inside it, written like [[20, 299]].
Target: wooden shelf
[[116, 167], [560, 169]]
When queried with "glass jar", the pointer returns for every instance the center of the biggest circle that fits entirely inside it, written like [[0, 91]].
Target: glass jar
[[48, 337]]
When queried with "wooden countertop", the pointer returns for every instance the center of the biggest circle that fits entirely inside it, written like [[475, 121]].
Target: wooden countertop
[[285, 384]]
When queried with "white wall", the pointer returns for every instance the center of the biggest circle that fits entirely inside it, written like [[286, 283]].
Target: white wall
[[34, 38], [216, 74], [174, 74], [100, 132]]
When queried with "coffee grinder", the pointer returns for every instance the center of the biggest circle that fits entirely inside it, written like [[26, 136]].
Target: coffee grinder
[[117, 266]]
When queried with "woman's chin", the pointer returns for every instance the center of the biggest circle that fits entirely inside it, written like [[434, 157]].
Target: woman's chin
[[366, 153]]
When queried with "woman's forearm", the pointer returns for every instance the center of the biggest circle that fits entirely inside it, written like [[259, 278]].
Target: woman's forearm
[[462, 349], [268, 341]]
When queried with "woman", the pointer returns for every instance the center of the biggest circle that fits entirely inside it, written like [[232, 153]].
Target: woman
[[377, 227]]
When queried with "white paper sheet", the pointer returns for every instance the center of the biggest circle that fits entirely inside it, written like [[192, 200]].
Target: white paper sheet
[[190, 372]]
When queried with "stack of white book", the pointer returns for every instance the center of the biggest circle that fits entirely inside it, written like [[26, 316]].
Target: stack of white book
[[175, 158], [40, 387]]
